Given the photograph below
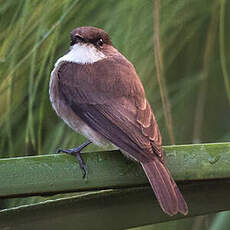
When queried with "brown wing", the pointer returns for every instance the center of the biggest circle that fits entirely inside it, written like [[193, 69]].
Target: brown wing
[[112, 103]]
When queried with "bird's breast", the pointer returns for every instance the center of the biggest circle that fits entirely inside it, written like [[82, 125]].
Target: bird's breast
[[66, 113]]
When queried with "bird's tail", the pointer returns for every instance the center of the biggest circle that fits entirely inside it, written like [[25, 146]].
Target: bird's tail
[[165, 188]]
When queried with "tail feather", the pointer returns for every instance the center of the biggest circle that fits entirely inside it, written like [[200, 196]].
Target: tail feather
[[182, 205], [165, 188]]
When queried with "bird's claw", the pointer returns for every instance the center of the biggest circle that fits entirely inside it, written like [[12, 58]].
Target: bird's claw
[[77, 152]]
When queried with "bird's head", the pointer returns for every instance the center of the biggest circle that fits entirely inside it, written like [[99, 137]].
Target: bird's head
[[92, 36]]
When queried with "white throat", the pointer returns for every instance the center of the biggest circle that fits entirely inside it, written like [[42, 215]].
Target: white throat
[[82, 54]]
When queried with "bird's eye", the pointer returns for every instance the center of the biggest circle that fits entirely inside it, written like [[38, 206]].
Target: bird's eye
[[100, 42]]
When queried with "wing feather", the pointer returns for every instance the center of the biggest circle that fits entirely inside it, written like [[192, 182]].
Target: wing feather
[[115, 106]]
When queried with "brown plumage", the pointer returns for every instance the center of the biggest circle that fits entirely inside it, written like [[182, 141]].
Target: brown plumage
[[108, 98]]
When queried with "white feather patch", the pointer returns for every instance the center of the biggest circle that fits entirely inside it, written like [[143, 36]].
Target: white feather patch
[[82, 54]]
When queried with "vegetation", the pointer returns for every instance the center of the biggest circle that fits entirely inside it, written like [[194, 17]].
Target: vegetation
[[179, 48]]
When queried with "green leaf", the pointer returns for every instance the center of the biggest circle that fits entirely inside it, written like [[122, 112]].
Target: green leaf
[[125, 198], [61, 173]]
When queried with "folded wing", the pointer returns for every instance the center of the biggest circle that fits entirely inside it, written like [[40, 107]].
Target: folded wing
[[113, 104]]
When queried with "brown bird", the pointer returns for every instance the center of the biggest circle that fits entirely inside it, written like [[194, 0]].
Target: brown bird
[[98, 93]]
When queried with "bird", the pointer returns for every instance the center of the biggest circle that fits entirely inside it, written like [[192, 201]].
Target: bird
[[97, 92]]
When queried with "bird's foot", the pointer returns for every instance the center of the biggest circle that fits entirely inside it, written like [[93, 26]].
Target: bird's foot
[[77, 152]]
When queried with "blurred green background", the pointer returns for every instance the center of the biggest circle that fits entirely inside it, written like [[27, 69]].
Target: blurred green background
[[190, 99]]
